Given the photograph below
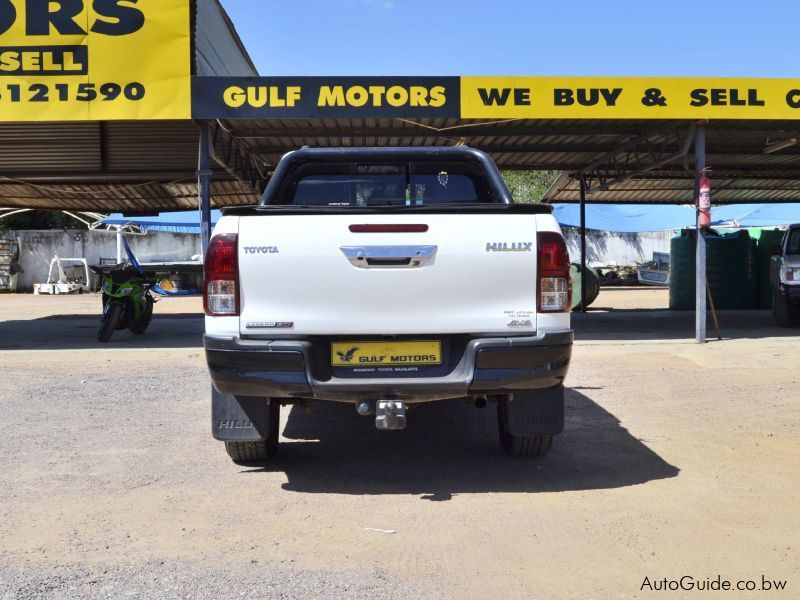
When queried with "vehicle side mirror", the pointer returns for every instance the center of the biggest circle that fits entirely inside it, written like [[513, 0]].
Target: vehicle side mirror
[[776, 251]]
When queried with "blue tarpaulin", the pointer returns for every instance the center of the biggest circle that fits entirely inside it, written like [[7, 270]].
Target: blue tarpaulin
[[626, 217], [634, 218], [756, 215], [177, 222]]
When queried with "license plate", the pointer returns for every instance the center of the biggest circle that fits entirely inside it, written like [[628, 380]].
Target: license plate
[[385, 354]]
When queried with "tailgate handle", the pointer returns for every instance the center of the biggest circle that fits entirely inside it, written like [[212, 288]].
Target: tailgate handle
[[402, 257]]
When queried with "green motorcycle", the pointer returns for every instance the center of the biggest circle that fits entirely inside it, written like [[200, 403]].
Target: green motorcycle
[[127, 301]]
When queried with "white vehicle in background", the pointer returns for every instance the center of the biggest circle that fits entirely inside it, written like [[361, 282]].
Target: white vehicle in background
[[58, 282], [656, 271], [384, 278], [785, 276]]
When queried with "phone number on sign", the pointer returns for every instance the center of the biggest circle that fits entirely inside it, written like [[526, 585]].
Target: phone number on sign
[[67, 92]]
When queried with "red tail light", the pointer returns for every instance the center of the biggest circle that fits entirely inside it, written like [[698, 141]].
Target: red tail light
[[400, 228], [554, 285], [221, 286]]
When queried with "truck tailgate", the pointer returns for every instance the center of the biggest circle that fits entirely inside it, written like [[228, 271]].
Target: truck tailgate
[[310, 275]]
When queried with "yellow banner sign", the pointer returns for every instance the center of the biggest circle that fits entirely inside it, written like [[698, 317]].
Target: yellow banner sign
[[77, 60], [628, 98]]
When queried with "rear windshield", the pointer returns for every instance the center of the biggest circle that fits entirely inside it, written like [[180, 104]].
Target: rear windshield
[[414, 184]]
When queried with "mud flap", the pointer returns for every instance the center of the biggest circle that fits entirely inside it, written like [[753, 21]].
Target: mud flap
[[239, 418], [535, 412]]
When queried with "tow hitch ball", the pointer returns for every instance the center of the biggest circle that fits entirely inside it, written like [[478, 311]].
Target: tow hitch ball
[[390, 414]]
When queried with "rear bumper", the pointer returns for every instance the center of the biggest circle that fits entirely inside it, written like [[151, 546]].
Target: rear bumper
[[283, 368]]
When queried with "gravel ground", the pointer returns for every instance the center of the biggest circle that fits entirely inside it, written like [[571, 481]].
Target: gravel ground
[[114, 472], [159, 579], [677, 459]]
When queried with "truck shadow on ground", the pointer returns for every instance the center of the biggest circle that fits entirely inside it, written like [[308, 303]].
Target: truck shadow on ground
[[605, 324], [451, 448], [79, 332]]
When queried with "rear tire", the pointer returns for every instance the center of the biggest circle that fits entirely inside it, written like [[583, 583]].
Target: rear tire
[[109, 323], [140, 326], [783, 312], [249, 454], [520, 445]]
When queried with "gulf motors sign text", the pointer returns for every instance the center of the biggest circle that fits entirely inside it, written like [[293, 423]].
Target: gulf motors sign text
[[94, 60], [495, 98], [319, 97]]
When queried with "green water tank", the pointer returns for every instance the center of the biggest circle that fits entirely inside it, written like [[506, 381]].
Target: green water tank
[[592, 285], [730, 269], [681, 270], [768, 241]]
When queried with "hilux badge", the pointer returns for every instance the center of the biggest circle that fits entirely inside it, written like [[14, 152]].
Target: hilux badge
[[509, 246]]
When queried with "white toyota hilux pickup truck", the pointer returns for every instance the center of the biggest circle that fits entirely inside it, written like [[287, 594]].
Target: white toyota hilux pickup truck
[[385, 278]]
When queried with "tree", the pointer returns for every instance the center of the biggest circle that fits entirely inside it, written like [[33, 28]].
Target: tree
[[40, 219], [528, 187]]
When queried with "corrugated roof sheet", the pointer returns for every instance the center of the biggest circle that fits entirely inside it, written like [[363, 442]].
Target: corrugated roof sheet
[[121, 197], [522, 143], [740, 170], [724, 190], [106, 159], [218, 49]]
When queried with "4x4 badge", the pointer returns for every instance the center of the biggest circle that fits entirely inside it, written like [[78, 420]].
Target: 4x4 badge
[[517, 323]]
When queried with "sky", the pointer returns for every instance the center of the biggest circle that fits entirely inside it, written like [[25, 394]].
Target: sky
[[726, 38]]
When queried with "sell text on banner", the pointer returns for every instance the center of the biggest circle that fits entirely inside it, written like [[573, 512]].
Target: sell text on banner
[[628, 98], [78, 60]]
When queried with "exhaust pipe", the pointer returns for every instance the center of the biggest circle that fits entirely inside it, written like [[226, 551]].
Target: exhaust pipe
[[365, 408]]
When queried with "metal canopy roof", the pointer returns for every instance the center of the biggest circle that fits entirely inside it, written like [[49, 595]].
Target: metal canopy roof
[[525, 144], [648, 161], [151, 166], [663, 189], [106, 167], [746, 164]]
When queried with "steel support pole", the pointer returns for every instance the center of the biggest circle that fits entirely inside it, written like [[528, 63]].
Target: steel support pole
[[583, 245], [204, 185], [700, 285]]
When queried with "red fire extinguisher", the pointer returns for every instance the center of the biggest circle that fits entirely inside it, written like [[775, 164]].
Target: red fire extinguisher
[[704, 202]]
